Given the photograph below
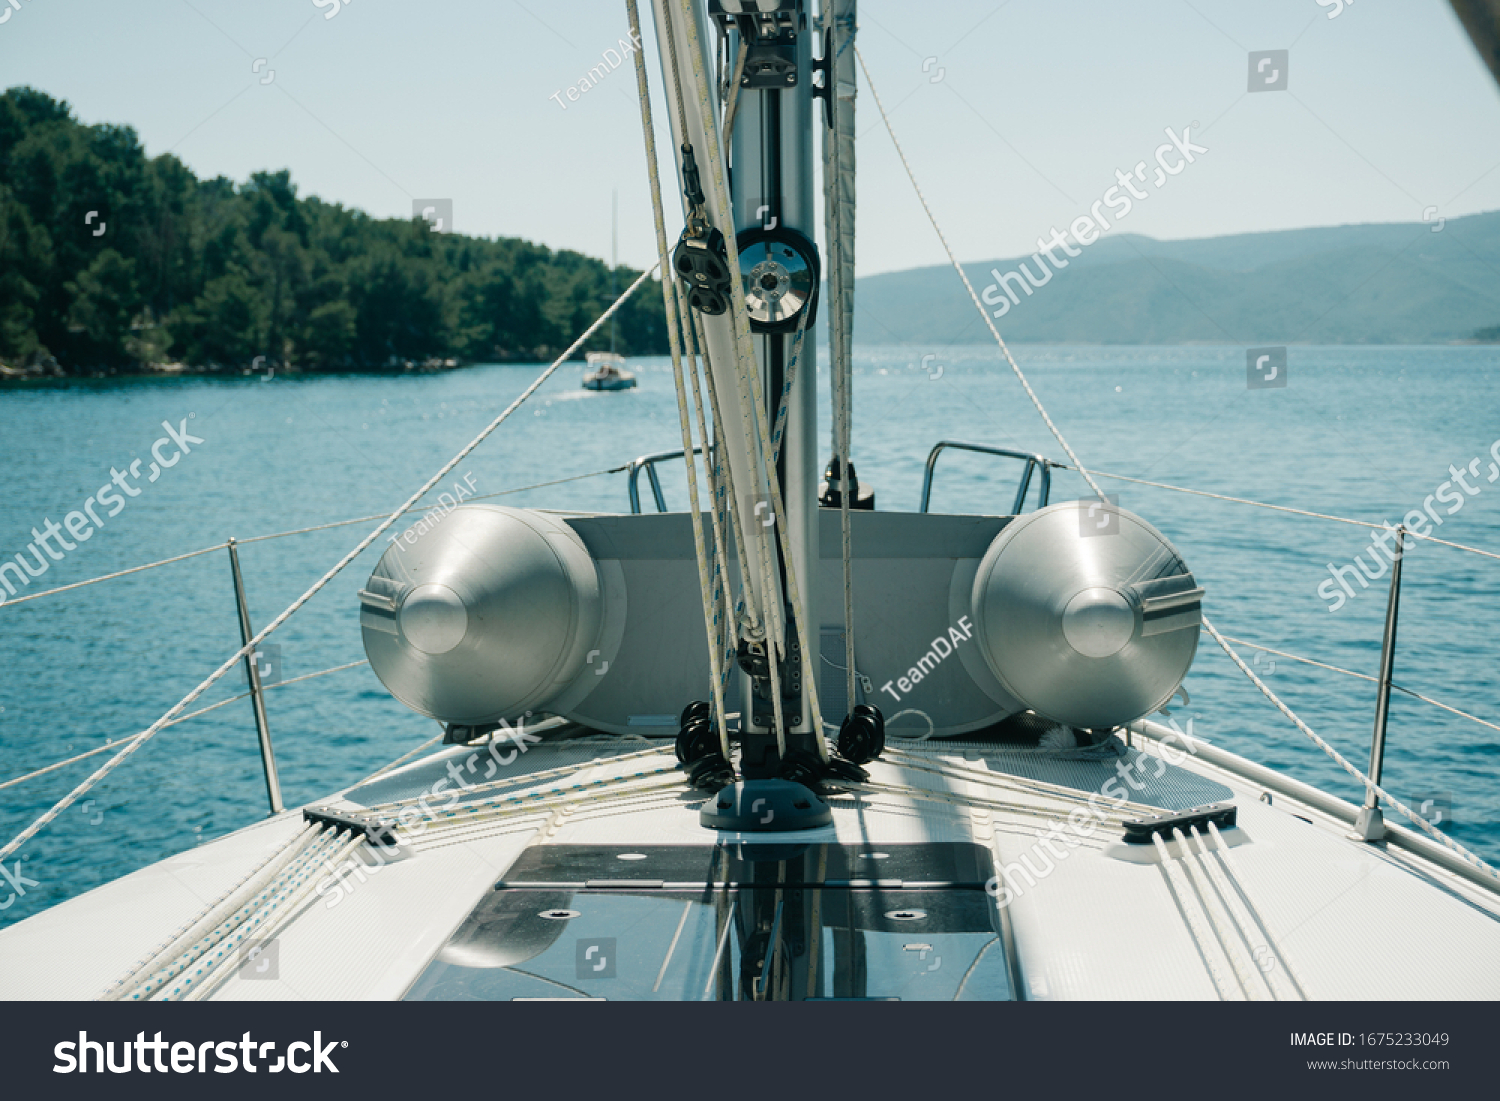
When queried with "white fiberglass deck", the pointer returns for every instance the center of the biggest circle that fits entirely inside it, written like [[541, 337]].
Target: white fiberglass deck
[[1295, 909]]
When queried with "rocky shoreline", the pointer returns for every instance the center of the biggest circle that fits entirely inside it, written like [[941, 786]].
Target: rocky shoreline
[[47, 369]]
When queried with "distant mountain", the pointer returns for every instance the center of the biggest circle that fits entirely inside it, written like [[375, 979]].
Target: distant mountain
[[1361, 284]]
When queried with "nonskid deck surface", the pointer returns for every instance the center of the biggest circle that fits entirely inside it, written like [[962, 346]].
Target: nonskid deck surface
[[984, 891]]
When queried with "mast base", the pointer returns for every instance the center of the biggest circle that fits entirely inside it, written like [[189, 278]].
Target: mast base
[[765, 806]]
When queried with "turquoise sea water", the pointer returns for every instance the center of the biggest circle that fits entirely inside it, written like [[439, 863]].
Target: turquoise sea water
[[1366, 432]]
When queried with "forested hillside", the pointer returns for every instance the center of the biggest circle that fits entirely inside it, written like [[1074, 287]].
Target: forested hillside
[[214, 273]]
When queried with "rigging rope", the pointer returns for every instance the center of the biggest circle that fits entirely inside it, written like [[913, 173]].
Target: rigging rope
[[112, 576], [728, 501], [1232, 863], [1223, 882], [1283, 508], [259, 895], [1228, 942], [783, 405], [839, 202], [1171, 874], [746, 620], [712, 609], [744, 351], [745, 374], [732, 102], [905, 758], [197, 986], [211, 914], [749, 373], [836, 448], [429, 508], [984, 313], [180, 719], [723, 596], [1363, 676], [305, 531], [317, 586], [1370, 785], [394, 806]]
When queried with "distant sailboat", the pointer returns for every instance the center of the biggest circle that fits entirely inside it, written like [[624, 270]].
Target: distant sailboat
[[606, 370]]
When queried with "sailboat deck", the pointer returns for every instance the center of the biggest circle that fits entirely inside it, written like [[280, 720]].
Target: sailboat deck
[[1293, 910]]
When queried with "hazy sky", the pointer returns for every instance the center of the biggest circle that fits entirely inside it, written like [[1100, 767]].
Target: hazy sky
[[1387, 110]]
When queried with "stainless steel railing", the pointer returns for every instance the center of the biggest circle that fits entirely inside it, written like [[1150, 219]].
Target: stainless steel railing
[[648, 464], [1033, 462]]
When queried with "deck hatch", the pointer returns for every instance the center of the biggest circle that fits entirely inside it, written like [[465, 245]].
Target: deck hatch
[[730, 922]]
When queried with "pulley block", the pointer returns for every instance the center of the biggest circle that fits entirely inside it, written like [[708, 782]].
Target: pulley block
[[780, 271], [703, 264], [862, 735]]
